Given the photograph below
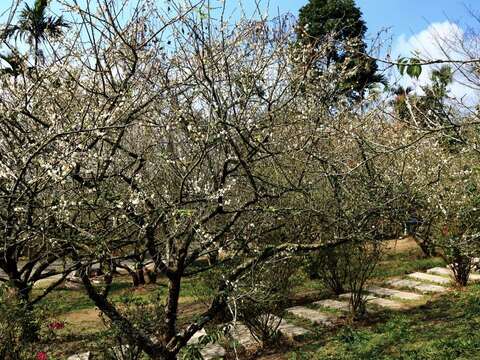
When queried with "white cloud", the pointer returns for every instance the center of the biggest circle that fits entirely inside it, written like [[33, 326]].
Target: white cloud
[[437, 41]]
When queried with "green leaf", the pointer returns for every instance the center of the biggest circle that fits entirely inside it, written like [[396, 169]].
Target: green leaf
[[414, 70], [402, 64]]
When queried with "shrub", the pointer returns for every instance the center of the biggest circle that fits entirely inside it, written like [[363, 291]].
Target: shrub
[[262, 298], [347, 267], [361, 259], [145, 314], [17, 320], [329, 267]]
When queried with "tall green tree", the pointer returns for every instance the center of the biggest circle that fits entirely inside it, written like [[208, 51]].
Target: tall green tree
[[339, 24], [35, 26]]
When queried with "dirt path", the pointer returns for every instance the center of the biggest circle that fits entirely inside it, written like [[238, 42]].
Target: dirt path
[[83, 320], [401, 245]]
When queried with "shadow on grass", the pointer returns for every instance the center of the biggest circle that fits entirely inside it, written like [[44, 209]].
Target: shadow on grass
[[445, 328]]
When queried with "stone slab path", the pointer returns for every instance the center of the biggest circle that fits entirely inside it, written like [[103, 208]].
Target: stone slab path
[[242, 335], [83, 356], [210, 351], [333, 304], [440, 271], [431, 278], [397, 294], [417, 285], [290, 330], [317, 317], [385, 303], [347, 296], [444, 271]]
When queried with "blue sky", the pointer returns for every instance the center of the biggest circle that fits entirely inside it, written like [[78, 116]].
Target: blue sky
[[411, 16], [402, 16], [413, 26]]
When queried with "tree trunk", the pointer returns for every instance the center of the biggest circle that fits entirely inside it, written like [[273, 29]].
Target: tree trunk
[[213, 258], [151, 276], [137, 277], [141, 278], [30, 327], [135, 280], [28, 323], [427, 247], [172, 307]]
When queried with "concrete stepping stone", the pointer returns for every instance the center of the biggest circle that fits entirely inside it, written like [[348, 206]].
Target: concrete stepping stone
[[474, 277], [196, 337], [389, 304], [430, 288], [417, 285], [386, 303], [242, 335], [348, 295], [443, 271], [44, 283], [395, 294], [440, 271], [290, 330], [314, 316], [210, 351], [431, 278], [333, 304], [83, 356]]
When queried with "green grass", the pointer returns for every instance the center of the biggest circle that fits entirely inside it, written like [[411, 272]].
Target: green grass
[[61, 301], [445, 329], [398, 264]]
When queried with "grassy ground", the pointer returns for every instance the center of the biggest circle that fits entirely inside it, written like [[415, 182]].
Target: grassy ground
[[447, 327]]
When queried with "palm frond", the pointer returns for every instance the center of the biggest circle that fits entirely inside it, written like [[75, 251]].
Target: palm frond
[[55, 26]]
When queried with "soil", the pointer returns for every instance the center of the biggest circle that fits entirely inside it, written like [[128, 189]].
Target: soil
[[84, 320], [401, 245]]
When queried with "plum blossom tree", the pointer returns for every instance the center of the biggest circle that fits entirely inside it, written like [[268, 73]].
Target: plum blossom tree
[[198, 143]]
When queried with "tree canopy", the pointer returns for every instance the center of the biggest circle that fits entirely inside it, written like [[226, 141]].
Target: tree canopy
[[339, 23]]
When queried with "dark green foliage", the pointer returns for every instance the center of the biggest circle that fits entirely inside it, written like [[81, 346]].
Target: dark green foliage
[[19, 325], [339, 24], [412, 67]]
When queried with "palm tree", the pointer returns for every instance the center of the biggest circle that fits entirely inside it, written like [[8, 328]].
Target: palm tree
[[401, 93], [34, 26], [399, 101], [440, 78]]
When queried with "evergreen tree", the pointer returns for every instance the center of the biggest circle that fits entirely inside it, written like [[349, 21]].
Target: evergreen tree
[[339, 24]]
